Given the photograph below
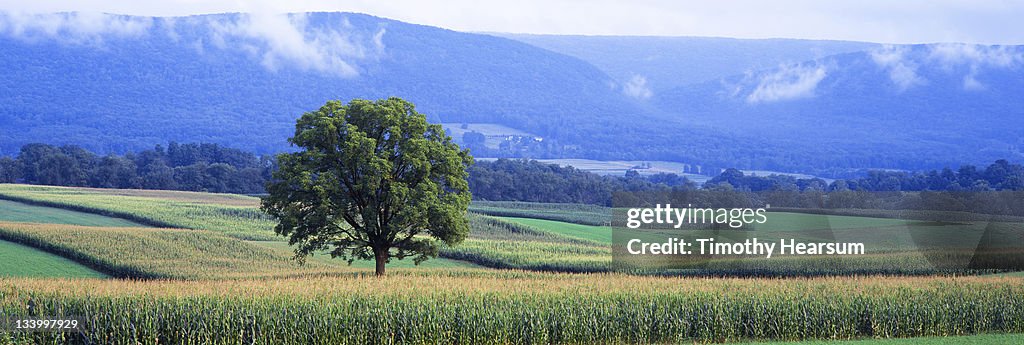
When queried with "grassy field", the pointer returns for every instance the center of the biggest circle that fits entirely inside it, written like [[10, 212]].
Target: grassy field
[[572, 213], [325, 259], [600, 234], [20, 212], [232, 215], [22, 261], [523, 242], [492, 243], [216, 288], [487, 307], [157, 253]]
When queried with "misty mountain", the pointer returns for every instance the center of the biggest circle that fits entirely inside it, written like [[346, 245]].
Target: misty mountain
[[650, 64], [892, 106], [118, 83], [126, 83]]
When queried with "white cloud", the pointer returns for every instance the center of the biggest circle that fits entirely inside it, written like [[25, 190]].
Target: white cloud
[[971, 82], [276, 40], [378, 39], [951, 54], [288, 40], [907, 21], [77, 27], [788, 82], [637, 88], [974, 57], [902, 71]]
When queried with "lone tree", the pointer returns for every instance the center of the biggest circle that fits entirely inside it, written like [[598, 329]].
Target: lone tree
[[372, 179]]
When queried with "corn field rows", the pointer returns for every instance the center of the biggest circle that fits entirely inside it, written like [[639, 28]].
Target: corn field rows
[[571, 213], [156, 253], [450, 310], [233, 219]]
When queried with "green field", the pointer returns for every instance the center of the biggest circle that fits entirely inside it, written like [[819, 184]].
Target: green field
[[572, 213], [11, 211], [985, 339], [157, 253], [233, 215], [324, 258], [481, 307], [494, 288], [22, 261], [600, 234]]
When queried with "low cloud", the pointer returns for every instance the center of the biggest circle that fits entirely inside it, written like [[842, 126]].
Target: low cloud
[[277, 41], [787, 83], [76, 27], [637, 88], [288, 40], [974, 58], [902, 71]]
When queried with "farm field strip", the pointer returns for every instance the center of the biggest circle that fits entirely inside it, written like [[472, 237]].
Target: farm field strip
[[983, 339], [11, 211], [521, 307], [600, 234], [18, 260], [185, 210], [325, 259], [157, 252]]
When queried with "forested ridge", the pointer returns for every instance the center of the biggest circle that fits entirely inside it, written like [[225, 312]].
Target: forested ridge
[[215, 168]]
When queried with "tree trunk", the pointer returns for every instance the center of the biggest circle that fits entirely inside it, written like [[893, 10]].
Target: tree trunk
[[381, 256]]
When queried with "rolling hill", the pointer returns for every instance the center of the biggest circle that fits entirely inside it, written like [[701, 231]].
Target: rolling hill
[[113, 83], [116, 83], [920, 106], [661, 63]]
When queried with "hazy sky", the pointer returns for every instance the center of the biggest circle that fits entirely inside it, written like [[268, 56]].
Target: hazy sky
[[889, 21]]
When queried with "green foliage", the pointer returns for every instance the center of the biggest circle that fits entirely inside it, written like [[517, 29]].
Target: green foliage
[[600, 234], [984, 339], [372, 180], [520, 309], [193, 167], [232, 215], [22, 261], [11, 211], [155, 253], [571, 213], [501, 244]]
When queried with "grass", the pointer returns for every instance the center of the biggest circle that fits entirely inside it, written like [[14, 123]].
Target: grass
[[11, 211], [222, 290], [21, 261], [481, 307], [549, 245], [600, 234], [572, 213], [497, 243], [787, 221], [325, 259], [157, 253], [232, 215]]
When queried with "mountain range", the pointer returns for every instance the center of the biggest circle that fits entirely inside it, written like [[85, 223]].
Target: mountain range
[[114, 83]]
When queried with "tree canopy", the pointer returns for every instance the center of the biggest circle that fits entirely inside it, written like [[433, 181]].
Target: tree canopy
[[372, 179]]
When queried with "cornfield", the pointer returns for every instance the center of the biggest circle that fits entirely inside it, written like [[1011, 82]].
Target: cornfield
[[157, 253], [521, 308], [572, 213], [232, 215]]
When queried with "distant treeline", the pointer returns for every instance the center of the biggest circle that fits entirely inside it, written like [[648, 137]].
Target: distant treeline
[[525, 180], [191, 167], [214, 168], [998, 176]]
